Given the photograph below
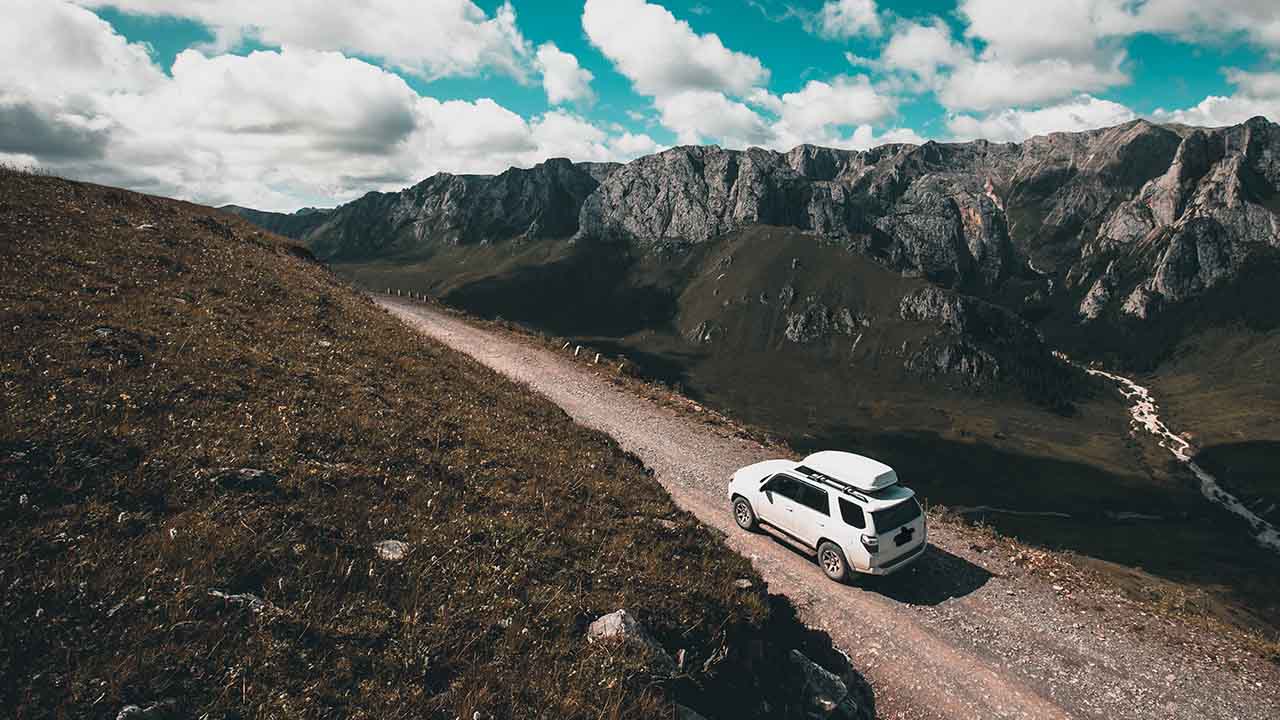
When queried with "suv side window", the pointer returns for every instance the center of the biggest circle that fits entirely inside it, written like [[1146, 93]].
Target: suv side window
[[853, 514], [784, 485], [815, 497]]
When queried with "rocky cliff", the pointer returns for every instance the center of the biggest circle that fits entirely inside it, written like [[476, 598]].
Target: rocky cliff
[[1105, 229], [519, 204]]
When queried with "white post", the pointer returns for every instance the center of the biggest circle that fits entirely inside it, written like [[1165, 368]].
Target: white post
[[577, 350]]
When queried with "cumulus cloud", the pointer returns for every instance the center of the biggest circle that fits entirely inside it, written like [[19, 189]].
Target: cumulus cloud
[[1082, 113], [704, 116], [922, 49], [1257, 93], [662, 55], [989, 84], [54, 50], [562, 77], [813, 113], [275, 129], [1255, 84], [430, 38], [847, 18], [628, 145], [1257, 20]]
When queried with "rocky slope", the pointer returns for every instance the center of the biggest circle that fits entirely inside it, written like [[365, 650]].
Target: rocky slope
[[1102, 238], [541, 202]]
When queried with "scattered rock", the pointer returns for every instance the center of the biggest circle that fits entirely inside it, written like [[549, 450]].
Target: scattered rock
[[620, 626], [248, 600], [160, 710], [705, 332], [250, 479], [392, 550], [743, 584], [825, 694]]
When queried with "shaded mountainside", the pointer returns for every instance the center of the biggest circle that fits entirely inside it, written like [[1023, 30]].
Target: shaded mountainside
[[1096, 236], [234, 487]]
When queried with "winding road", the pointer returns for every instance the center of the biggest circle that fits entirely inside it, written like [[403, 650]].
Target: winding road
[[966, 632]]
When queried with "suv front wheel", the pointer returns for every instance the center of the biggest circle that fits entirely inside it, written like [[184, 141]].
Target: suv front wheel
[[743, 514], [831, 558]]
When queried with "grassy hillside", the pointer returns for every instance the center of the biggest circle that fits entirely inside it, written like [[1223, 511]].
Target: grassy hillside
[[152, 349], [1224, 385]]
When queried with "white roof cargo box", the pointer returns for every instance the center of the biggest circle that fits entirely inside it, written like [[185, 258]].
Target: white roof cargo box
[[861, 472]]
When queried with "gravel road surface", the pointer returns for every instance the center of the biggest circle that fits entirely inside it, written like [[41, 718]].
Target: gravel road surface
[[967, 632]]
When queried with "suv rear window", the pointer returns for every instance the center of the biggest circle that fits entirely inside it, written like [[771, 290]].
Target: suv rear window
[[852, 514], [896, 516]]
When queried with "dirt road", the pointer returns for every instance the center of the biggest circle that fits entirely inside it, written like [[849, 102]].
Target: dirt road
[[965, 633]]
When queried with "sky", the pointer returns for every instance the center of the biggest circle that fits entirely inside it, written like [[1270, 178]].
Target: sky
[[282, 104]]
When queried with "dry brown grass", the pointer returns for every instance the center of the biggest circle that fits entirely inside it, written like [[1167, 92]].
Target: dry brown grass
[[148, 343]]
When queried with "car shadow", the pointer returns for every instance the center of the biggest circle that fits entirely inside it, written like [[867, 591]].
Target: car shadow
[[936, 577]]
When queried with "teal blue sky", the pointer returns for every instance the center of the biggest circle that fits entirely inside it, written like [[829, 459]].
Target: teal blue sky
[[375, 94], [1164, 70]]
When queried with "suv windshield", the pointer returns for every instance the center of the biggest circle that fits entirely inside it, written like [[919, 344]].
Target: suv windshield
[[896, 516]]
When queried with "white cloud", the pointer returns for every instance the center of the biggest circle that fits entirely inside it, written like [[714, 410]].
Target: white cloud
[[430, 38], [271, 129], [663, 56], [562, 77], [630, 145], [813, 113], [56, 50], [922, 49], [1257, 20], [847, 18], [702, 116], [865, 137], [1219, 110], [1071, 30], [1082, 113], [991, 84], [1255, 84]]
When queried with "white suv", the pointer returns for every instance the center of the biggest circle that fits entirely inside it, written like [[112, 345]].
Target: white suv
[[847, 508]]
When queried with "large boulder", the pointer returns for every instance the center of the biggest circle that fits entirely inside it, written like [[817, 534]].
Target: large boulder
[[620, 627]]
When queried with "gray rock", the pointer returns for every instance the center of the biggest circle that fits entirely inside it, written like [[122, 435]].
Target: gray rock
[[392, 550], [160, 710], [620, 626], [248, 600], [704, 332], [245, 479], [825, 694]]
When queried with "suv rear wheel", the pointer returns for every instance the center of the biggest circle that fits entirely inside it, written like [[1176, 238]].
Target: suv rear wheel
[[743, 514], [831, 558]]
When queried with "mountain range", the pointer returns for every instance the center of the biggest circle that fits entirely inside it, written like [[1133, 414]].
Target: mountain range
[[1104, 239]]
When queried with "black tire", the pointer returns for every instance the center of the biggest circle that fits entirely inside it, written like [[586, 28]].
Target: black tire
[[744, 515], [831, 560]]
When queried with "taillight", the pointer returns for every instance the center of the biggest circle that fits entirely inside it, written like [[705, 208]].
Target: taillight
[[871, 543]]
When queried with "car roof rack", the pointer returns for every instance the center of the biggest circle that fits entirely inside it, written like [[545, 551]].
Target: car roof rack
[[840, 485]]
